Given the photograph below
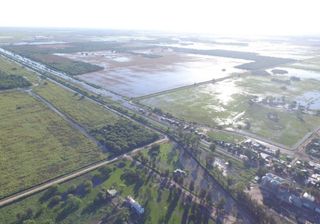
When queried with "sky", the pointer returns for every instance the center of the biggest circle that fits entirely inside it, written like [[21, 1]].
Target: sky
[[235, 17]]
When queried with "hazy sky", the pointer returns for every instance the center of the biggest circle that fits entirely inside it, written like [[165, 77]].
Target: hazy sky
[[256, 17]]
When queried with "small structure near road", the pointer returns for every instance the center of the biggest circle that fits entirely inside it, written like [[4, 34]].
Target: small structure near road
[[180, 172]]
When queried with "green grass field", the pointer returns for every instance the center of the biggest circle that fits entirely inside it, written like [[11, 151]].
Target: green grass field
[[82, 110], [227, 103], [160, 205], [36, 144], [166, 159]]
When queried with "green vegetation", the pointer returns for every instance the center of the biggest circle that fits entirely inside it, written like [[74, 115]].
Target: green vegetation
[[288, 130], [227, 104], [41, 142], [123, 136], [12, 81], [76, 106], [66, 65], [164, 157], [68, 203], [45, 55]]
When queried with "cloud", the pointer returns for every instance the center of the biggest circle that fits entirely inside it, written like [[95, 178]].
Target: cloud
[[247, 17]]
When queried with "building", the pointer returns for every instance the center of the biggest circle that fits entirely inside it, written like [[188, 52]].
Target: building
[[135, 205], [112, 192], [272, 182], [180, 172]]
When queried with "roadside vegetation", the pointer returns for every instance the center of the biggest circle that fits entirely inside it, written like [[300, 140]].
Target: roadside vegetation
[[85, 200], [40, 142]]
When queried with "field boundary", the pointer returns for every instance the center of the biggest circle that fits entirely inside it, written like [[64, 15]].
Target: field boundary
[[180, 88]]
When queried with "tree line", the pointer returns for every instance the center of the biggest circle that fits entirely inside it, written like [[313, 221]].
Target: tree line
[[10, 81]]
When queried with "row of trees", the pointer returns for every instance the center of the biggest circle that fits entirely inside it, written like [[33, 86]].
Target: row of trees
[[191, 142]]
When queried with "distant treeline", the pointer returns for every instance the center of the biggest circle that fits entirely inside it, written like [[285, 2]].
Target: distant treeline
[[9, 81], [124, 136]]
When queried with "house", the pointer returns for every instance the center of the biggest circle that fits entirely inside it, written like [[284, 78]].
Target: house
[[112, 193], [180, 172], [308, 201], [135, 205], [272, 182], [265, 156]]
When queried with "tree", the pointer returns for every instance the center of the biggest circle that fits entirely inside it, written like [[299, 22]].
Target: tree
[[261, 171], [72, 203], [101, 196], [212, 147], [221, 203], [55, 200], [72, 188], [191, 186], [87, 186], [29, 221], [154, 150]]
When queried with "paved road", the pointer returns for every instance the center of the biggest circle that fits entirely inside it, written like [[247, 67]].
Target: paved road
[[300, 152], [41, 187]]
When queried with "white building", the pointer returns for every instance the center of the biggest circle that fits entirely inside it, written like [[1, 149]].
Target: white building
[[135, 205]]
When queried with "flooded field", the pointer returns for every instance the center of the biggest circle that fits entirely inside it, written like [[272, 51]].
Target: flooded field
[[310, 99], [149, 71], [227, 103], [278, 48]]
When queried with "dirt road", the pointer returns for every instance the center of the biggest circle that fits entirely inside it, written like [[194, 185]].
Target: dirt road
[[43, 186]]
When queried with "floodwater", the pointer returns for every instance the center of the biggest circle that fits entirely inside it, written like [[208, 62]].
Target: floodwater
[[135, 76], [40, 43], [310, 100], [265, 48]]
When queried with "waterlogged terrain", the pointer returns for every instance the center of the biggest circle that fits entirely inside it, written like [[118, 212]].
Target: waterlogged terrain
[[146, 72], [227, 103]]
